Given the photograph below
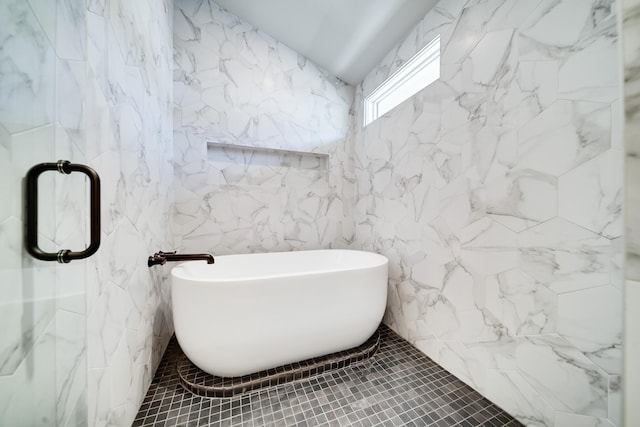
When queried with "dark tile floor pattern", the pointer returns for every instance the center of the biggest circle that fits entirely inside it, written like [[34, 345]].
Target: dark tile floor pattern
[[398, 386]]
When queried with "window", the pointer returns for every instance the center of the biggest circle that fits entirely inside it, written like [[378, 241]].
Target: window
[[416, 74]]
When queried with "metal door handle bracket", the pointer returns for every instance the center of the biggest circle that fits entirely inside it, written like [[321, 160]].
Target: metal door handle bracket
[[31, 208]]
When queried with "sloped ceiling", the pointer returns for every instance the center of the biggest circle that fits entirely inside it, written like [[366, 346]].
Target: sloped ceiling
[[345, 37]]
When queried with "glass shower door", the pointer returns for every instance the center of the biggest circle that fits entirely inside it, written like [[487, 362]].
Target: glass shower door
[[42, 304]]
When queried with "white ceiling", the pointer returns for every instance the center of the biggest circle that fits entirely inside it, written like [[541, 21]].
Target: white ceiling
[[345, 37]]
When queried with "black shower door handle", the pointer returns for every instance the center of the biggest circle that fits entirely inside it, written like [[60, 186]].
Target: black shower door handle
[[31, 208]]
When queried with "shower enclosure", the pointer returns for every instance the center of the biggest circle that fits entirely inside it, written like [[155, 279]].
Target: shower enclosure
[[46, 91], [42, 304]]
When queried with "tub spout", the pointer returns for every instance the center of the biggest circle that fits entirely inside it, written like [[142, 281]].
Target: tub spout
[[162, 257]]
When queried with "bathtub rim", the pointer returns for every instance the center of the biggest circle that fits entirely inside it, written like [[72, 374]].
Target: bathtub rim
[[180, 272]]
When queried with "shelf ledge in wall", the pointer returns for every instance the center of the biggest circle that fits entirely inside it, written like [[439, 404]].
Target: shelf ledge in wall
[[266, 156], [266, 167]]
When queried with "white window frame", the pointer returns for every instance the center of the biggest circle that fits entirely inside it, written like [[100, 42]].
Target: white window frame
[[416, 74]]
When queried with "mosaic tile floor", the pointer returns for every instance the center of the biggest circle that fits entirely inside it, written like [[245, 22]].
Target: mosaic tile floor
[[203, 384], [398, 386]]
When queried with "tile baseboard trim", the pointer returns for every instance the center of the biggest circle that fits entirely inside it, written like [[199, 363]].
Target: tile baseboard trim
[[201, 383]]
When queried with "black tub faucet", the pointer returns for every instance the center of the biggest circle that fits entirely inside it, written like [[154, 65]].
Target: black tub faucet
[[162, 257]]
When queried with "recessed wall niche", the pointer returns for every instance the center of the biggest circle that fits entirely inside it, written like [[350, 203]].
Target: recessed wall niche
[[244, 165]]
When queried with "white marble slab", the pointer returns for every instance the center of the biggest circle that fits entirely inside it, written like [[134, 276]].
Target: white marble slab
[[500, 260], [592, 196], [630, 10], [236, 85], [564, 256], [27, 88], [128, 119], [592, 329]]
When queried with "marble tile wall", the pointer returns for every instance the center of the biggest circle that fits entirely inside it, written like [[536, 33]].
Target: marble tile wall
[[128, 116], [631, 56], [89, 82], [491, 191], [43, 354], [234, 84], [496, 193]]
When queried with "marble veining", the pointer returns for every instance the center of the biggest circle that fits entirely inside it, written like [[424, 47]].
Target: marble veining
[[128, 115], [88, 82], [630, 10], [496, 193], [43, 353], [26, 86], [632, 134], [235, 85], [491, 191]]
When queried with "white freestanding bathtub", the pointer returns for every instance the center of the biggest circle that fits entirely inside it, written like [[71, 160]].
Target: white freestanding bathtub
[[247, 313]]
